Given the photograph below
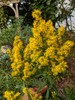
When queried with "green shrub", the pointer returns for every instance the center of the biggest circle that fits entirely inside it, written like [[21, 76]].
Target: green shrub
[[8, 34], [3, 18]]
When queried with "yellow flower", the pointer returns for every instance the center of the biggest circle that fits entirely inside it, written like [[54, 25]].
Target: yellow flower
[[43, 61], [9, 95], [16, 95], [28, 71], [65, 49], [36, 14], [50, 52], [61, 67], [53, 94], [8, 51], [25, 90]]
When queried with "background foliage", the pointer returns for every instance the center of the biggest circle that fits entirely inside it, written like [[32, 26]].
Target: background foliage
[[16, 28], [3, 18]]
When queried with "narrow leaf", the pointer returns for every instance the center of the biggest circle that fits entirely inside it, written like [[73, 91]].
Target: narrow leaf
[[28, 95], [41, 86], [47, 94]]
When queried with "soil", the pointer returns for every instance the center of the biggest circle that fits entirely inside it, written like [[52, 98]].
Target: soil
[[65, 80], [71, 69]]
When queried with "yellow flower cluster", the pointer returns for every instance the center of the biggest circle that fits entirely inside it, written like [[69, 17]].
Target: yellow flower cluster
[[49, 42], [45, 50], [53, 94], [35, 55], [43, 61], [28, 71], [50, 52], [61, 32], [61, 67], [15, 56], [33, 95], [35, 13], [9, 95], [65, 49], [27, 53]]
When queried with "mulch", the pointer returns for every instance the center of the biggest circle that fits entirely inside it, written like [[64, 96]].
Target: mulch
[[65, 80]]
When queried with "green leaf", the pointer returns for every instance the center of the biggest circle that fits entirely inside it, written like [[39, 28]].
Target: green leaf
[[41, 7], [44, 1], [50, 81], [44, 83], [28, 95], [48, 2], [38, 75], [47, 94]]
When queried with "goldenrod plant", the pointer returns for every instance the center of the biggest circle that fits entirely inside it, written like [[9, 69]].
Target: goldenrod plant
[[42, 59], [11, 96]]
